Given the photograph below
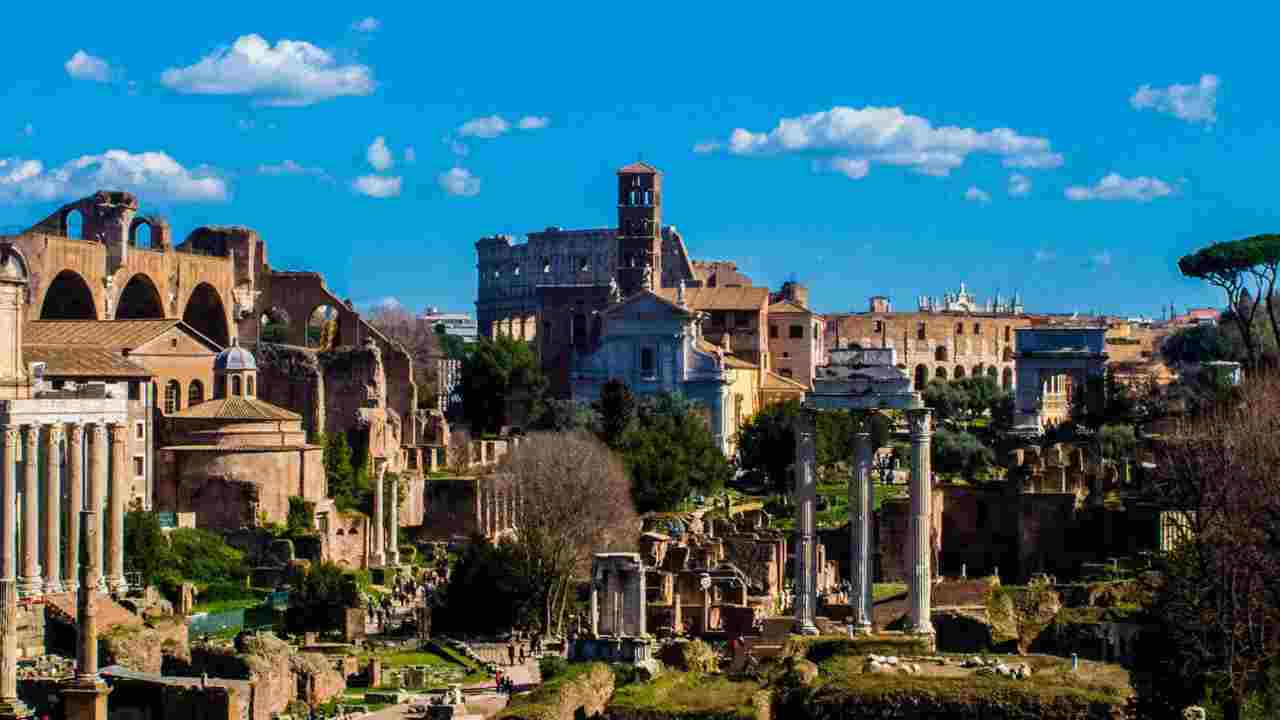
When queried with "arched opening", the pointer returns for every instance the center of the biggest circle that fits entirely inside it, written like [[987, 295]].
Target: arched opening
[[991, 372], [959, 371], [323, 330], [140, 300], [68, 298], [248, 385], [235, 384], [206, 314], [1007, 355], [922, 377], [172, 397], [940, 354], [274, 326], [73, 225], [1007, 381], [940, 374], [195, 393], [140, 235]]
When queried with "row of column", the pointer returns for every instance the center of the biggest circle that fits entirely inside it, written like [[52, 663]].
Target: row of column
[[920, 582], [386, 520], [498, 508], [42, 567]]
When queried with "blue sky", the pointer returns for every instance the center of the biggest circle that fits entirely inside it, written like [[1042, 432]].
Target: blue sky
[[861, 151]]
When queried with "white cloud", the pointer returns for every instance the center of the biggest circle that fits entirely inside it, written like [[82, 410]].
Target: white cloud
[[1117, 187], [533, 122], [854, 169], [289, 167], [1193, 103], [293, 73], [484, 127], [410, 155], [977, 194], [379, 155], [1043, 256], [706, 147], [459, 181], [29, 130], [83, 66], [889, 136], [153, 175], [1019, 185], [367, 25], [378, 186], [1101, 259]]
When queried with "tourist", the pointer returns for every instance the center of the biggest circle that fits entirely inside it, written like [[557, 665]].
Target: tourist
[[511, 653], [522, 655]]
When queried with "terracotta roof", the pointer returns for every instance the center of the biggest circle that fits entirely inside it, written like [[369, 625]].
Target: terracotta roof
[[115, 334], [774, 381], [789, 306], [88, 362], [236, 407], [639, 166], [720, 298], [730, 360]]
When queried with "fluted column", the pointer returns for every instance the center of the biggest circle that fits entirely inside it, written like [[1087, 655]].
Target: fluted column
[[30, 582], [115, 516], [75, 503], [9, 513], [393, 523], [95, 498], [53, 510], [860, 530], [806, 493], [379, 538], [921, 541], [10, 705]]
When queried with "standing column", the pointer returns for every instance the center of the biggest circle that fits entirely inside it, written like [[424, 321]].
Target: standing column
[[921, 541], [53, 510], [30, 583], [85, 697], [379, 538], [10, 705], [393, 524], [115, 515], [860, 529], [9, 513], [75, 503], [94, 501], [806, 493]]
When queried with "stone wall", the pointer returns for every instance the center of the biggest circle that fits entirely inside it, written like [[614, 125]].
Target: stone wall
[[262, 659], [451, 508], [290, 377], [228, 490], [893, 534], [347, 542], [146, 649], [31, 630]]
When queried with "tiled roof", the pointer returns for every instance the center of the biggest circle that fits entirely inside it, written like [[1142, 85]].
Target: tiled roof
[[639, 166], [88, 362], [115, 334], [788, 306], [774, 381], [730, 360], [720, 298], [236, 407]]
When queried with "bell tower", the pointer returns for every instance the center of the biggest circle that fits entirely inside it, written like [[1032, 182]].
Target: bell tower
[[639, 228]]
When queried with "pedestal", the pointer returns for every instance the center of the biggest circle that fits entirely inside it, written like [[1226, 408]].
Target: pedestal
[[86, 702]]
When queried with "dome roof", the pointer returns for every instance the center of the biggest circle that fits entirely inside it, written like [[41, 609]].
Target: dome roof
[[235, 358]]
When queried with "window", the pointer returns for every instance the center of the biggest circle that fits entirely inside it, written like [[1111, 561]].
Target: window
[[135, 390], [879, 326], [797, 332], [248, 385], [1006, 333], [235, 384], [742, 319], [173, 342], [584, 265], [172, 390], [959, 328], [139, 466], [546, 265], [647, 365], [195, 393], [59, 384], [717, 318], [773, 330], [977, 329], [920, 331], [786, 355], [139, 431]]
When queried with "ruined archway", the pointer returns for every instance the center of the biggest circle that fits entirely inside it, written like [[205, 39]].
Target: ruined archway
[[140, 234], [68, 298], [273, 326], [206, 314], [72, 223], [324, 332], [140, 300]]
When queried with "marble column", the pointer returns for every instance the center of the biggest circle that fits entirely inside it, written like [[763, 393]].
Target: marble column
[[379, 557], [95, 498], [53, 510], [921, 545], [393, 523], [860, 529], [9, 512], [75, 503], [85, 697], [10, 705], [30, 582], [115, 515], [806, 496], [595, 608]]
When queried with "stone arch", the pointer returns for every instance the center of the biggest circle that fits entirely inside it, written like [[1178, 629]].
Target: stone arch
[[195, 393], [940, 355], [273, 326], [922, 377], [324, 327], [68, 297], [207, 315], [142, 234], [940, 373], [139, 300], [1007, 379], [71, 223], [959, 372]]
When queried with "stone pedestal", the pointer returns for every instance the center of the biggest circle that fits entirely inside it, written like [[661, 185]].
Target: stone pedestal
[[86, 702], [806, 496]]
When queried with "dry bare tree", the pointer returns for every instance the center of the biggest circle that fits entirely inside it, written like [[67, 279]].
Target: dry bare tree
[[574, 500], [421, 342]]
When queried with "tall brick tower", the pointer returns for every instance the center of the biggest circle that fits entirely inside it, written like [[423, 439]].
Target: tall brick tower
[[639, 228]]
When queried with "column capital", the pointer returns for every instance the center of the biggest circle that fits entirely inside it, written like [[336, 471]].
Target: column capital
[[55, 432], [918, 422], [11, 435], [117, 432], [99, 431], [33, 436]]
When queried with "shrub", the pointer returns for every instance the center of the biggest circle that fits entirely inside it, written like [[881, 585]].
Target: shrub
[[552, 666]]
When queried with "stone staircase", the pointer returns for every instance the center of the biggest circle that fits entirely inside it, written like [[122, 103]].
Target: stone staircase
[[772, 638], [62, 607]]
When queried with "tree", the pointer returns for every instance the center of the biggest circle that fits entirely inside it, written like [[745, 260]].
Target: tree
[[563, 415], [1245, 270], [321, 594], [348, 486], [767, 445], [575, 500], [145, 548], [617, 408], [961, 453], [500, 379], [1117, 442], [947, 400], [490, 585], [1202, 343], [670, 452]]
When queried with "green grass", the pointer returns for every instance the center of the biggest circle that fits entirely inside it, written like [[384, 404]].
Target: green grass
[[837, 512], [884, 591], [544, 701], [219, 606], [686, 695], [434, 655]]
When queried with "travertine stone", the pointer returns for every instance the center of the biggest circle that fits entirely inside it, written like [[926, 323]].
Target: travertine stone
[[115, 516], [30, 583], [96, 499], [806, 495], [921, 537], [75, 503], [53, 510], [860, 530], [378, 556]]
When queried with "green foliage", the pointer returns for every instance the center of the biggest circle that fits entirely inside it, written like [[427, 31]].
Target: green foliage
[[204, 558], [145, 548], [301, 515], [1117, 442], [767, 445], [551, 667], [563, 415], [968, 398], [670, 452], [617, 408], [491, 586], [1202, 343], [495, 373], [346, 472], [960, 452]]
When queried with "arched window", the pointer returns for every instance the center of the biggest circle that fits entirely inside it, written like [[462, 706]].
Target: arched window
[[920, 331], [248, 385], [235, 384], [959, 328], [172, 396], [940, 373], [195, 393], [940, 354], [1007, 332], [922, 378], [648, 368], [959, 371]]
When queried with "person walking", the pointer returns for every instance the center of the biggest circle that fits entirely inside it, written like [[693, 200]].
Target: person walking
[[511, 652], [522, 655]]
